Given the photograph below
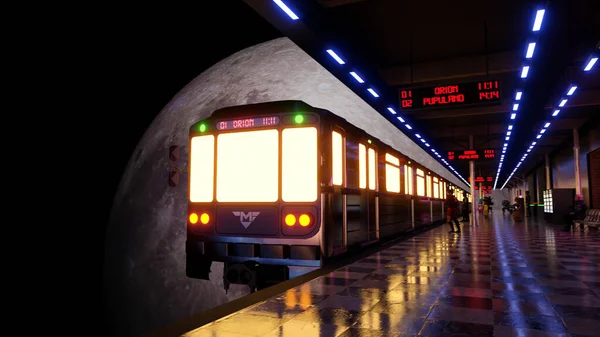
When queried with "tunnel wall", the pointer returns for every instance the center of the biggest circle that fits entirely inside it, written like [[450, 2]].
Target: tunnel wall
[[145, 285]]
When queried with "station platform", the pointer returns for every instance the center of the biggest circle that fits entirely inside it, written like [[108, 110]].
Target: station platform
[[499, 278]]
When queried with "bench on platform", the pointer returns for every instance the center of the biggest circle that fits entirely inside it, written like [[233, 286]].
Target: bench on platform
[[592, 219]]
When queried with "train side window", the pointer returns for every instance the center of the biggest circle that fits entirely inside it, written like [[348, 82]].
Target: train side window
[[372, 169], [428, 180], [444, 190], [337, 153], [392, 173], [351, 164], [362, 166], [436, 188], [408, 180], [420, 183]]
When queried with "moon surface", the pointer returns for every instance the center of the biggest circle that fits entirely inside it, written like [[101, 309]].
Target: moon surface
[[144, 277]]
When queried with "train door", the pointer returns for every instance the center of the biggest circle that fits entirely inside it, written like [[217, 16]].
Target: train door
[[360, 192], [338, 180]]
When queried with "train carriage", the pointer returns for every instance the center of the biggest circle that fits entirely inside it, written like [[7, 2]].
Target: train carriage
[[276, 189]]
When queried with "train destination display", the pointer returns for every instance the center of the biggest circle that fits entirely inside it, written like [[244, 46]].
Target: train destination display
[[472, 154], [245, 123], [469, 93]]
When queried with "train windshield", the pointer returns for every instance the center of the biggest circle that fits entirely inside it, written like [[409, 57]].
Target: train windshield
[[247, 166]]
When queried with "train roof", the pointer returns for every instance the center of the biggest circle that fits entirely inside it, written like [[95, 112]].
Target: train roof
[[296, 106]]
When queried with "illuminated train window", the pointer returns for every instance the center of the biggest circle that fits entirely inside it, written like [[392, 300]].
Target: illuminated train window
[[362, 166], [202, 167], [258, 153], [420, 183], [408, 179], [444, 190], [372, 170], [337, 165], [436, 188], [392, 173], [428, 180], [299, 165]]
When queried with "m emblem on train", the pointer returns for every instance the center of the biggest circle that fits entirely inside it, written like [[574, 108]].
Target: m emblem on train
[[246, 218]]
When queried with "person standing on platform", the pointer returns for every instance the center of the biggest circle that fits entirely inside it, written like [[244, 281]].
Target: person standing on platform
[[578, 212], [465, 208], [451, 204], [517, 214], [527, 203]]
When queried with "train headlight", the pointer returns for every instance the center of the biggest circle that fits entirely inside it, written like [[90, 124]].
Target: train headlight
[[290, 220], [304, 220], [193, 218], [204, 218]]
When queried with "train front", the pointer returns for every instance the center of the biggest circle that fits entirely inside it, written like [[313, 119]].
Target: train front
[[254, 198]]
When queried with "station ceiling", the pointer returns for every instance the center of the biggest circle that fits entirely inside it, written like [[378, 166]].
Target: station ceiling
[[395, 46]]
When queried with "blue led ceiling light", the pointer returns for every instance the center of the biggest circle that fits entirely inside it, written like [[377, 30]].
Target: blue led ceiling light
[[356, 77], [590, 63], [286, 9], [530, 50], [529, 53], [335, 56], [539, 17], [542, 131], [359, 79]]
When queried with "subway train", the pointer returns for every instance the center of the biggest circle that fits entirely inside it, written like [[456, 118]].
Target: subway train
[[278, 189]]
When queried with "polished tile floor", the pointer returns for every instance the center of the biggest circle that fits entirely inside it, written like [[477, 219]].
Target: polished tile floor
[[495, 279]]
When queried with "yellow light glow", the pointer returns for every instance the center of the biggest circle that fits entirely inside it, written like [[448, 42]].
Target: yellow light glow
[[202, 168], [392, 160], [305, 299], [392, 178], [247, 166], [372, 170], [408, 180], [193, 218], [290, 220], [290, 299], [444, 190], [420, 182], [204, 218], [299, 165], [392, 173], [362, 166], [436, 188], [428, 180], [304, 220], [337, 166]]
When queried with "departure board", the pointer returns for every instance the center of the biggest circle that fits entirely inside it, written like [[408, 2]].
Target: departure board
[[459, 94], [486, 154]]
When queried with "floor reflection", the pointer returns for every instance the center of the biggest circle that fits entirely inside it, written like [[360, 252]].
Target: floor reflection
[[497, 278]]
